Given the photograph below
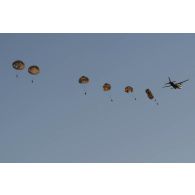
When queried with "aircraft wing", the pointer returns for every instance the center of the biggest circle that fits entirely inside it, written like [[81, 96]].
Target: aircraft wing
[[167, 86], [183, 82]]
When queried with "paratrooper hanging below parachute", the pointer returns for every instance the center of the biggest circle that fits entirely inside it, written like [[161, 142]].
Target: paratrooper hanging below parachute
[[33, 70], [129, 89], [107, 88], [151, 96], [84, 80], [18, 65]]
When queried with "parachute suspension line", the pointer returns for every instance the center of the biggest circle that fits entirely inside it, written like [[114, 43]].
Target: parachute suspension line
[[111, 98], [85, 91], [133, 98], [157, 103]]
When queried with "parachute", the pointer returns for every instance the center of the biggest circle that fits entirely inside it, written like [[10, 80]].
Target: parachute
[[18, 65], [107, 88], [33, 70], [129, 89], [84, 80], [150, 95]]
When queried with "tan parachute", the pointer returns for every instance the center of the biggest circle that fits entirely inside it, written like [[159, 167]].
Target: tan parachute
[[18, 65], [107, 87], [129, 89], [34, 70], [83, 80]]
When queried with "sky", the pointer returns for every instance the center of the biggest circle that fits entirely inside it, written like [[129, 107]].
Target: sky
[[52, 121]]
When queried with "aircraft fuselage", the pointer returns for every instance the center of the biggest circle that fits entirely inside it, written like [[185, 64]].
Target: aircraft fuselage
[[176, 85]]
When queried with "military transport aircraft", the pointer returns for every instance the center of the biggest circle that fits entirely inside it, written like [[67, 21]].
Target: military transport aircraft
[[174, 84]]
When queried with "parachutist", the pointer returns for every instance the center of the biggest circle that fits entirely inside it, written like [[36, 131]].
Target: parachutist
[[129, 89], [18, 65], [107, 88], [151, 96], [33, 70], [84, 80]]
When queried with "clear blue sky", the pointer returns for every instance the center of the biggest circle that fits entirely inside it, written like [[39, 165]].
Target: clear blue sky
[[53, 121]]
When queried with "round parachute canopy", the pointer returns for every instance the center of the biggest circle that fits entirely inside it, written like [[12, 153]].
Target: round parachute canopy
[[34, 70], [106, 87], [18, 65], [128, 89], [83, 80], [149, 94]]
